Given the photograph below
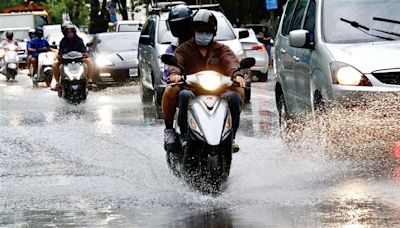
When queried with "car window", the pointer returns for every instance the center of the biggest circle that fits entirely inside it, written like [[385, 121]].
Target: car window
[[309, 22], [298, 15], [288, 16], [335, 30], [146, 27], [118, 42]]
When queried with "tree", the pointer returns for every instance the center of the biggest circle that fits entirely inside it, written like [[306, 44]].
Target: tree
[[77, 10], [99, 16]]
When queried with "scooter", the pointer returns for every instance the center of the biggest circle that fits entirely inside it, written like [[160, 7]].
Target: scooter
[[73, 78], [10, 61], [45, 68], [206, 158]]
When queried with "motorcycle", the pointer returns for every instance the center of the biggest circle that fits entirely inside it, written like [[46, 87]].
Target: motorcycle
[[205, 161], [73, 78], [10, 61], [45, 68]]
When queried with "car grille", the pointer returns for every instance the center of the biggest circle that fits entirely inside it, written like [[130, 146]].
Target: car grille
[[388, 77]]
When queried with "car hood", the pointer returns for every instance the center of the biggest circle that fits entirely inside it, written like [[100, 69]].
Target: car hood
[[235, 46], [127, 57], [368, 57]]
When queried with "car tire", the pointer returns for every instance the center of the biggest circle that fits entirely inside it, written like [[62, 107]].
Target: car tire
[[285, 122], [263, 77], [145, 94]]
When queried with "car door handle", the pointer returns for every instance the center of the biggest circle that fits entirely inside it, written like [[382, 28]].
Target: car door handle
[[283, 51], [296, 58]]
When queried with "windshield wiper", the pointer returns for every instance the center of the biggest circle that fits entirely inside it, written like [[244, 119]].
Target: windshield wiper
[[357, 25], [386, 20]]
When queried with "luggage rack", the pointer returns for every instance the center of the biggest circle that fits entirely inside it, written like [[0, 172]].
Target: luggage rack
[[158, 7]]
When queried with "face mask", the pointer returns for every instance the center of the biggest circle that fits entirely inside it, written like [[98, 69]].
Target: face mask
[[70, 35], [203, 38]]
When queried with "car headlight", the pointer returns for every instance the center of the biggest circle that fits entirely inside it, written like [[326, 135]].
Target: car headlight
[[344, 74], [209, 80], [101, 60]]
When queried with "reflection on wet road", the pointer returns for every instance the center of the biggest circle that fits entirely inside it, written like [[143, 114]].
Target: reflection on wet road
[[102, 163]]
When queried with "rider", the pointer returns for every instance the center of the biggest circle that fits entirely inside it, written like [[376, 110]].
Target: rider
[[203, 53], [72, 42], [4, 44], [32, 36], [9, 40], [38, 45], [179, 21]]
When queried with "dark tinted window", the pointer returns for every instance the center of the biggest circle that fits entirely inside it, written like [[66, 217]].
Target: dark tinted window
[[309, 23], [298, 15], [288, 16]]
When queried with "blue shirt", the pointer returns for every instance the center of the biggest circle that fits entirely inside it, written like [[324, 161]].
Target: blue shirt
[[38, 43], [170, 50]]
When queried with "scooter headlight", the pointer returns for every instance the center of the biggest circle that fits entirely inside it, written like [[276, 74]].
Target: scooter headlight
[[74, 71], [209, 80]]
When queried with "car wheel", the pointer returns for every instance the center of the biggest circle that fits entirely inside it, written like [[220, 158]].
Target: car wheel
[[145, 94], [247, 94], [285, 122], [263, 77]]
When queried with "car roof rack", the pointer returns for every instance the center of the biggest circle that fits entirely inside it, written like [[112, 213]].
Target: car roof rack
[[158, 7]]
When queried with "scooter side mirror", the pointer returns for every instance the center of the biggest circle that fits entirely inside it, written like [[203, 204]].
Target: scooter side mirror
[[247, 63], [169, 59]]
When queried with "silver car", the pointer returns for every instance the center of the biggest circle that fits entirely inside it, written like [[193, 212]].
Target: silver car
[[254, 48], [154, 40], [335, 51]]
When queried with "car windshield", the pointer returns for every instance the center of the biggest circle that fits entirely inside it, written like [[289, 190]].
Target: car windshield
[[118, 42], [18, 35], [224, 31], [336, 30]]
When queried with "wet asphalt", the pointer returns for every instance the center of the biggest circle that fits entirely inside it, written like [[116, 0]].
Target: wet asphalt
[[102, 164]]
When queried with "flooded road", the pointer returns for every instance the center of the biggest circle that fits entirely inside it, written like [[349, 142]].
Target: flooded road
[[102, 164]]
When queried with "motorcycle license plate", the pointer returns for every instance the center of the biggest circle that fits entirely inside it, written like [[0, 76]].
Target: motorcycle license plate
[[133, 72]]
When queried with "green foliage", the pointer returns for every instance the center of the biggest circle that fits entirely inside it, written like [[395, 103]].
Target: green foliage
[[77, 10]]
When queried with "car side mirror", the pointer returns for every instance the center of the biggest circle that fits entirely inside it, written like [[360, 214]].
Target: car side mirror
[[243, 34], [145, 39], [247, 63], [301, 39], [53, 45]]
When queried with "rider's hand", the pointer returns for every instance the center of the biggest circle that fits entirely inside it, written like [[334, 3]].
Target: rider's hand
[[86, 55], [241, 81], [175, 78]]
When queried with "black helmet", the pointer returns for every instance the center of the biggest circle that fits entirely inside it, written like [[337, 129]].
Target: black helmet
[[9, 35], [205, 17], [180, 21], [39, 31]]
